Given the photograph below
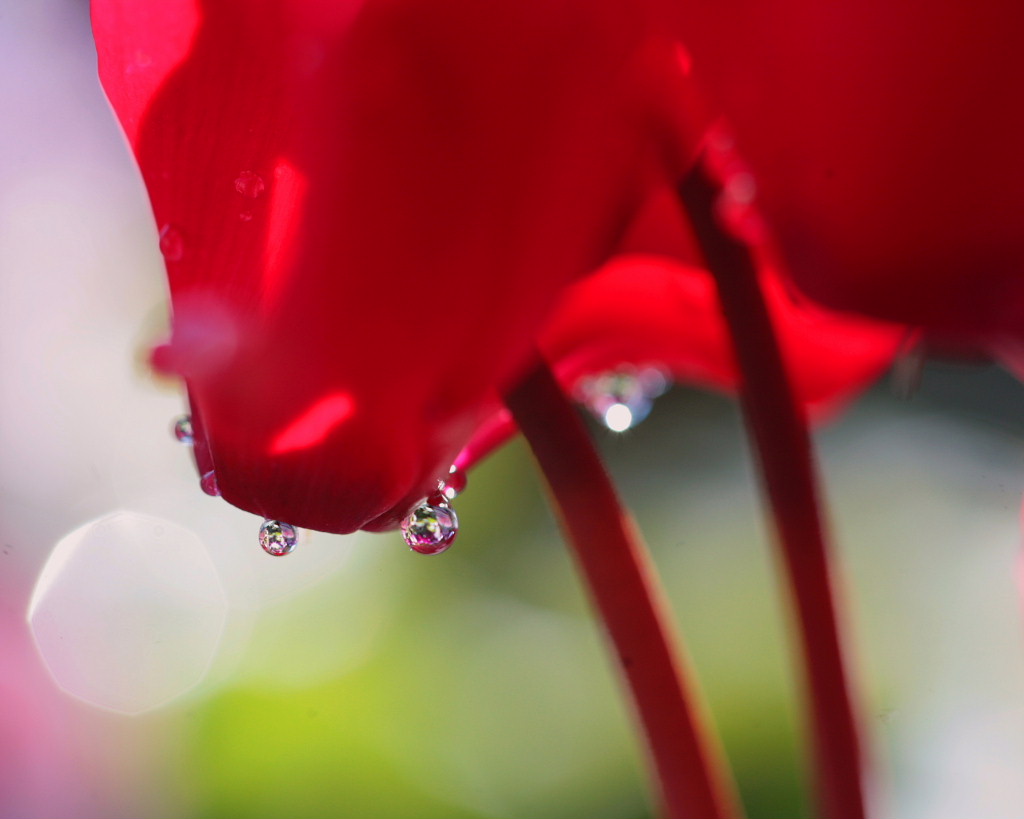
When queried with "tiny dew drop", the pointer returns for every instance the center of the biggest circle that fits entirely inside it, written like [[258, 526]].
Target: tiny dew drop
[[250, 185], [453, 485], [183, 430], [278, 538], [431, 528], [245, 216], [208, 483], [172, 245], [622, 398]]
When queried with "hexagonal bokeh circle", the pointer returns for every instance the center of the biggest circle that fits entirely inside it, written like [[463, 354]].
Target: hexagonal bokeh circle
[[128, 612]]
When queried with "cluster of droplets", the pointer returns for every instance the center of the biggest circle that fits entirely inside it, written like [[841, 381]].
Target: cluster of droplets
[[433, 525], [429, 530], [622, 398]]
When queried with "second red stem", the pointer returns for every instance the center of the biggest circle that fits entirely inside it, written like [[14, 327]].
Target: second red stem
[[688, 765], [778, 427]]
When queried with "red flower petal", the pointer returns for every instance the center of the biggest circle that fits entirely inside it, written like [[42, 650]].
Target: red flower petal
[[642, 310], [379, 201], [886, 142], [648, 310]]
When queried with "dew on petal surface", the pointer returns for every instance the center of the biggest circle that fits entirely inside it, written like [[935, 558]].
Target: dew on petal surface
[[430, 529], [278, 538], [183, 431], [208, 483], [172, 244], [250, 185]]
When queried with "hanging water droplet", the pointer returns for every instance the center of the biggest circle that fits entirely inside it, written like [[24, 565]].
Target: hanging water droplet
[[431, 528], [183, 430], [622, 398], [453, 485], [278, 538], [208, 483], [250, 184], [172, 244]]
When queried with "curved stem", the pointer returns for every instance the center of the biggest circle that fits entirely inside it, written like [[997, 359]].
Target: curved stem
[[615, 565], [783, 445]]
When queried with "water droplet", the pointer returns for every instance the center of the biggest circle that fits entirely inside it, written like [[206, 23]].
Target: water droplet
[[245, 216], [453, 485], [622, 398], [208, 483], [172, 245], [183, 430], [431, 528], [278, 538], [250, 184]]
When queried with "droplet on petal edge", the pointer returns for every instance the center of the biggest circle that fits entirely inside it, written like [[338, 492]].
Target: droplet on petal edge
[[622, 398], [453, 485], [430, 529], [172, 244], [208, 483], [183, 430], [278, 538], [250, 185]]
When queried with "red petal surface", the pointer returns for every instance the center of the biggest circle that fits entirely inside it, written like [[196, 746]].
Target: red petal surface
[[648, 310], [886, 141], [368, 209]]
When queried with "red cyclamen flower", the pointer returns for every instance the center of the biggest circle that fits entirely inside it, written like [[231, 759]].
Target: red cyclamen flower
[[368, 211], [375, 213]]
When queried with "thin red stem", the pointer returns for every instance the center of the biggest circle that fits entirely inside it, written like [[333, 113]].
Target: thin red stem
[[689, 767], [779, 430]]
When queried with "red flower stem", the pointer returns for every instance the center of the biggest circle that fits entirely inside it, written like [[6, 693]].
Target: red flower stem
[[780, 435], [689, 767]]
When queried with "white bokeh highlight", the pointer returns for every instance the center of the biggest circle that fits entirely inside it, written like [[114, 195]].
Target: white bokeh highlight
[[128, 612]]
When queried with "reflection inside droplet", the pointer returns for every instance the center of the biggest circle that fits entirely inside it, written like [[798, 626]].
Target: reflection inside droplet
[[172, 244], [278, 538], [183, 430], [618, 418], [250, 184], [431, 528], [208, 483]]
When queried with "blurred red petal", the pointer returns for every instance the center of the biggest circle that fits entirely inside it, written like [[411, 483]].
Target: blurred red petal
[[885, 139]]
